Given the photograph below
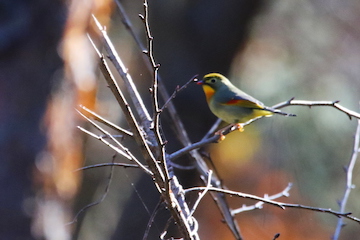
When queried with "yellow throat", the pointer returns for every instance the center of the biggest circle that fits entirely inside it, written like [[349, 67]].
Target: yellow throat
[[209, 92]]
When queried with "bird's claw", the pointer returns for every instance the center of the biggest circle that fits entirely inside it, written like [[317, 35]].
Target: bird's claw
[[239, 127], [222, 136], [227, 129]]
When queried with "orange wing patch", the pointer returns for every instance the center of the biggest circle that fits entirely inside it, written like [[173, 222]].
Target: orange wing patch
[[244, 103]]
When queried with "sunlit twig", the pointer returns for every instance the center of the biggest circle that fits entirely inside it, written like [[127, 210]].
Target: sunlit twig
[[258, 205], [334, 104], [98, 118]]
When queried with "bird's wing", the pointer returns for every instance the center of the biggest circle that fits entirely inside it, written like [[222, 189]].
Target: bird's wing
[[248, 102], [244, 103]]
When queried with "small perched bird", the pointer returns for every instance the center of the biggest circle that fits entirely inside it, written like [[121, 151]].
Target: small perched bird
[[231, 104]]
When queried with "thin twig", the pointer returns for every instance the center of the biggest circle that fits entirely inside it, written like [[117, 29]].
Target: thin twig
[[164, 232], [277, 204], [212, 129], [202, 194], [349, 183], [193, 146], [124, 149], [155, 98], [182, 167], [258, 205], [125, 165], [152, 220], [98, 118], [106, 191], [118, 150], [177, 90]]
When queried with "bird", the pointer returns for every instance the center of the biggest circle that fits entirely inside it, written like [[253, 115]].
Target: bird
[[232, 105]]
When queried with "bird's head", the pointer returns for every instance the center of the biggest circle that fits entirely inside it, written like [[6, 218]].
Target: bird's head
[[212, 82]]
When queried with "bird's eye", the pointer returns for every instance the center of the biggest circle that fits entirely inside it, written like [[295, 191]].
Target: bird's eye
[[213, 80]]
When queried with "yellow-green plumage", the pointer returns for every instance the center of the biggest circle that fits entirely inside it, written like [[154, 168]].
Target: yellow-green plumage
[[231, 104]]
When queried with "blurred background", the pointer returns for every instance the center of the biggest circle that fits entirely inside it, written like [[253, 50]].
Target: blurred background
[[274, 51]]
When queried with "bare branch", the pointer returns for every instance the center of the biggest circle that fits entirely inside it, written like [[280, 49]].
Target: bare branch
[[130, 118], [334, 104], [193, 146], [258, 205], [212, 129], [277, 204], [155, 98], [123, 72], [349, 178]]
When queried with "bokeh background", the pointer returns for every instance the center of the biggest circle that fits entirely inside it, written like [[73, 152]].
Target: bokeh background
[[273, 50]]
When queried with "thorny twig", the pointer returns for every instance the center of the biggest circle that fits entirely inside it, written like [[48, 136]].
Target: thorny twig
[[155, 97]]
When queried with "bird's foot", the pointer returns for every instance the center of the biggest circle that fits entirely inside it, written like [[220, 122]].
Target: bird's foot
[[223, 131], [239, 127], [220, 133]]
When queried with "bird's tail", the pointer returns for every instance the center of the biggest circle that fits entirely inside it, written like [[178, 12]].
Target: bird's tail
[[277, 111]]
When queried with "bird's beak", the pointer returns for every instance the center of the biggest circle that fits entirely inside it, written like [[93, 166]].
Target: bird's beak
[[198, 82]]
